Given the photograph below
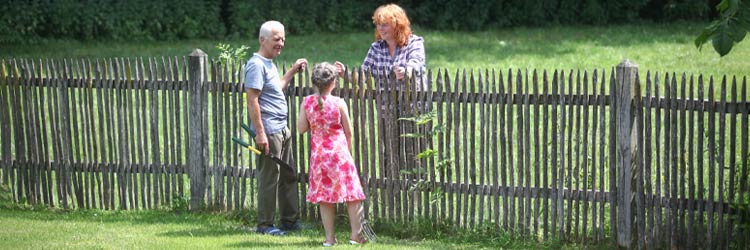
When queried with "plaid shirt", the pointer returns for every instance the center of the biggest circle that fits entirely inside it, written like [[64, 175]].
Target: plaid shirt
[[412, 57]]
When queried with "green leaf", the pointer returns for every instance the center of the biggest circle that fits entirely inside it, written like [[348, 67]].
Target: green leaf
[[703, 38], [412, 135], [723, 5], [427, 153], [411, 119], [722, 40]]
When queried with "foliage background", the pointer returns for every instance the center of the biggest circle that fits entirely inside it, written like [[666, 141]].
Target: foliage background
[[24, 21]]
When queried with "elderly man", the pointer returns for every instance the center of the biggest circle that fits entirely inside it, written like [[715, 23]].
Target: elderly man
[[267, 107]]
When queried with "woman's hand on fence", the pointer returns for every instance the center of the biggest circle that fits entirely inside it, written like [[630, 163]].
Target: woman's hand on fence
[[341, 68]]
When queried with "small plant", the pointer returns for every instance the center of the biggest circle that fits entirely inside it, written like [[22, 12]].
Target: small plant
[[441, 162], [6, 196], [228, 54], [180, 203], [741, 217]]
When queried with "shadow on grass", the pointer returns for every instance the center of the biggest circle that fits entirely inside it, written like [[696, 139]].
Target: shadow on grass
[[133, 217]]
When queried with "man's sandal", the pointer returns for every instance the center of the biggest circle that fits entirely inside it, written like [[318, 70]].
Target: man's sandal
[[270, 230]]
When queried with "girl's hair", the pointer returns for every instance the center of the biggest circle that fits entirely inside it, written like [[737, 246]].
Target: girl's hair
[[323, 76], [395, 16]]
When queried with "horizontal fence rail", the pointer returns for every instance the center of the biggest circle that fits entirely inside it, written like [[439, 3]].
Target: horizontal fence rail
[[581, 155]]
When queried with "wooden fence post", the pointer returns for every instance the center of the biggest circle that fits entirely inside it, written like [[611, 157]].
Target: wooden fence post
[[196, 143], [627, 149]]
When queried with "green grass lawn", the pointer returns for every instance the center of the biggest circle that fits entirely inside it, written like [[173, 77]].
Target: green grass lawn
[[654, 47], [159, 229]]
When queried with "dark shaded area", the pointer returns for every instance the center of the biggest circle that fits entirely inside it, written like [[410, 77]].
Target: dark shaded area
[[169, 20]]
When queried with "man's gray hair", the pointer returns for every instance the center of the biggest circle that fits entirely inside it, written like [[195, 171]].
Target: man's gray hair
[[266, 30]]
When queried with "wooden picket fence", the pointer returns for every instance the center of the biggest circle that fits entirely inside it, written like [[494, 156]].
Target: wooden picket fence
[[582, 155]]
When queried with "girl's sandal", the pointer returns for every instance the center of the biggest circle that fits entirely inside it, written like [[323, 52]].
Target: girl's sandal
[[359, 241], [326, 244]]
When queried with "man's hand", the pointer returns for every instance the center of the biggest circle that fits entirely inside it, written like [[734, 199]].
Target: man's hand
[[300, 64], [262, 143]]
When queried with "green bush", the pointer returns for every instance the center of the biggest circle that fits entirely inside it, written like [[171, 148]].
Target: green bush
[[24, 21]]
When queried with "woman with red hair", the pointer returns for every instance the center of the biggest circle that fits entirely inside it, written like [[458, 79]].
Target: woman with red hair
[[395, 50]]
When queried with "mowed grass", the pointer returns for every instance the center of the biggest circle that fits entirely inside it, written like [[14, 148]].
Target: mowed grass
[[658, 48], [160, 229]]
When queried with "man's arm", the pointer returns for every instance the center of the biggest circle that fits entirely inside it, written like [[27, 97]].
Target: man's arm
[[253, 108], [298, 66]]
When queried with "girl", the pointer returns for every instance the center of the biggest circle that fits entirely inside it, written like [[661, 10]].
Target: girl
[[333, 176]]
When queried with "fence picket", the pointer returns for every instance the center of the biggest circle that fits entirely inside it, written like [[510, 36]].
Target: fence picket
[[732, 164], [675, 165], [612, 159], [504, 156], [480, 194], [690, 169], [720, 238], [545, 153], [711, 166], [744, 141], [584, 155], [47, 181], [65, 131], [570, 115], [470, 151], [556, 173], [110, 105], [526, 151], [580, 149], [681, 162], [5, 151], [537, 150], [497, 155], [601, 99]]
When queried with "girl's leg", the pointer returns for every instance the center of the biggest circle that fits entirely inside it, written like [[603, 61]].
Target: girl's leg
[[354, 209], [327, 215]]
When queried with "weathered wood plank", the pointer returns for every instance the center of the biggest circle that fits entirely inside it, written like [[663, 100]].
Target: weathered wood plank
[[526, 148], [745, 155], [497, 155], [720, 190], [602, 141], [557, 173], [182, 135], [155, 156], [571, 114], [545, 161], [613, 160], [674, 164], [690, 170], [710, 242], [504, 156], [583, 161], [732, 163], [577, 163], [5, 123], [537, 151]]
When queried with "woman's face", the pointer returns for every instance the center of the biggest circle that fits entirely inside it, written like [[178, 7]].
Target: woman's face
[[385, 30]]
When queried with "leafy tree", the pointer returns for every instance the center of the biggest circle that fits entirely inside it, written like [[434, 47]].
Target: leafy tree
[[731, 27]]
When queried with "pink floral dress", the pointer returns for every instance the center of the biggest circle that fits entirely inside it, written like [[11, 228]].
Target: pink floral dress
[[333, 176]]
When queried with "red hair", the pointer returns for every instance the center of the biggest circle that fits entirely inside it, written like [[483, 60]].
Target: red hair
[[395, 16]]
